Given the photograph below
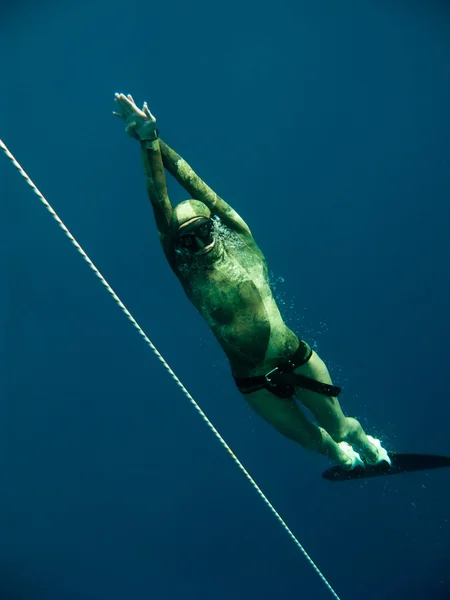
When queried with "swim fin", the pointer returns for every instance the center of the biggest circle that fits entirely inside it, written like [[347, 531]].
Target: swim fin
[[401, 463]]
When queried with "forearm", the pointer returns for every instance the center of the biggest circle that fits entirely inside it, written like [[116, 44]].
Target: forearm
[[187, 177], [156, 184], [198, 190]]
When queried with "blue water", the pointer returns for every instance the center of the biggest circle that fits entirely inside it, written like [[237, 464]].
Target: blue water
[[327, 126]]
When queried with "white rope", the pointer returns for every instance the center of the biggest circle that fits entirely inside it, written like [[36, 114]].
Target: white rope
[[173, 375]]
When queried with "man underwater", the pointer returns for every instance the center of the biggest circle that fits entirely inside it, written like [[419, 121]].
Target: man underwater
[[224, 274]]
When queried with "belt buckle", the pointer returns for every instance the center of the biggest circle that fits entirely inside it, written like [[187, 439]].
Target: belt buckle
[[267, 376]]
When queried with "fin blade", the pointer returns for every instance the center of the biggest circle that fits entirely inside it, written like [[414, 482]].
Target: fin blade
[[401, 463]]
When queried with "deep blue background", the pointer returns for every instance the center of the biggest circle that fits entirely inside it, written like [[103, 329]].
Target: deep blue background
[[327, 126]]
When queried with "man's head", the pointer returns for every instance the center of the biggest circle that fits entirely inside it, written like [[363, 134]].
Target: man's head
[[193, 228]]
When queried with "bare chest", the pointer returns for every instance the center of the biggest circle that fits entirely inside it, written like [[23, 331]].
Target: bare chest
[[234, 291], [235, 299]]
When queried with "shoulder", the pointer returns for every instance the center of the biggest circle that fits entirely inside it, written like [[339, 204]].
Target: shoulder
[[247, 238], [166, 240]]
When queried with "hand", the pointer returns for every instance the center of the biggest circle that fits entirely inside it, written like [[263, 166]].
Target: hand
[[139, 124]]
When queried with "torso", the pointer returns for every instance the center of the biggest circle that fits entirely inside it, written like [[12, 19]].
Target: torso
[[234, 297]]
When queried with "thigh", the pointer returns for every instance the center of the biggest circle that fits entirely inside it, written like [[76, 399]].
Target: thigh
[[326, 409], [283, 414]]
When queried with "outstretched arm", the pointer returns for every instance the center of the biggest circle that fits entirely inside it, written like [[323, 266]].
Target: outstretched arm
[[198, 189], [156, 185], [141, 125]]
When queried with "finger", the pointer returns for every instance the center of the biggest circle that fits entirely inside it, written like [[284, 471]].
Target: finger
[[125, 105], [119, 99], [118, 115], [148, 113], [128, 107]]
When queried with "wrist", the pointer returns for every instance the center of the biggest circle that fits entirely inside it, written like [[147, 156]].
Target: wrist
[[150, 139]]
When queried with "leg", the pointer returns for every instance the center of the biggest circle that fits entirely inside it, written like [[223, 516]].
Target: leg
[[288, 419], [328, 411]]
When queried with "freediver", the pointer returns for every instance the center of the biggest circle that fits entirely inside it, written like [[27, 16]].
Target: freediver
[[224, 274]]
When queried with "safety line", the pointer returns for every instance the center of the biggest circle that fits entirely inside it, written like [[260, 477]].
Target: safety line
[[171, 372]]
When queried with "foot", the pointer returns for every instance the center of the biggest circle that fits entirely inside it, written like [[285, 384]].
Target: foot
[[382, 453], [353, 458]]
